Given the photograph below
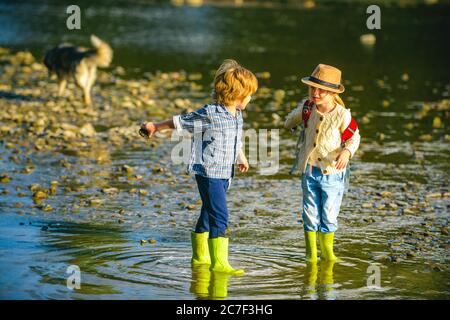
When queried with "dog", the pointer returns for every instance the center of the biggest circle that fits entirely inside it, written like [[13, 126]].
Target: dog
[[68, 61]]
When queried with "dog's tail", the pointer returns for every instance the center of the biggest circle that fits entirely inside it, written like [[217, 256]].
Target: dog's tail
[[104, 53]]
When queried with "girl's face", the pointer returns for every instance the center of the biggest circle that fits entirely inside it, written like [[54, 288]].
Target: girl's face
[[244, 103], [320, 96]]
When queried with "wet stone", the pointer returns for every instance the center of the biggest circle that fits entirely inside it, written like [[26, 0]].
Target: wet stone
[[127, 169], [110, 190], [4, 178]]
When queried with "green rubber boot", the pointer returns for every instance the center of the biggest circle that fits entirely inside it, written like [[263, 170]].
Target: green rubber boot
[[311, 246], [218, 250], [200, 250], [326, 246]]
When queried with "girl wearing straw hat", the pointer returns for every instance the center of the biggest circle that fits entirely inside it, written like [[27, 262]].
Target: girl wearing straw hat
[[329, 137]]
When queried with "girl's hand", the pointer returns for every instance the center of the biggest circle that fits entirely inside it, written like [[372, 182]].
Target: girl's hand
[[244, 166], [150, 127], [342, 159]]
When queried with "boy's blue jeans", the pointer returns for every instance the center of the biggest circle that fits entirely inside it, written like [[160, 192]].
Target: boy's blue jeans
[[214, 213], [322, 198]]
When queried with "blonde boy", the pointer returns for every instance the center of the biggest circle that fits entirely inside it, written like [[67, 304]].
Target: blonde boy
[[213, 160]]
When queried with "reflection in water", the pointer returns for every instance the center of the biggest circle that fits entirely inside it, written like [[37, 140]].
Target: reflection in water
[[208, 284], [326, 279], [321, 287], [311, 280], [200, 281]]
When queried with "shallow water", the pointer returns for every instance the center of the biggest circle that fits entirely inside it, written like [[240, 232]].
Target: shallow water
[[410, 247]]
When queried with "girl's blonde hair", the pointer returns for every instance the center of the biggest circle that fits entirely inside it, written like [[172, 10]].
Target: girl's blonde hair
[[339, 100], [232, 83]]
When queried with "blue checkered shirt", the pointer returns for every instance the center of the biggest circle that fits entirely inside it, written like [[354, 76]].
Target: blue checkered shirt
[[216, 140]]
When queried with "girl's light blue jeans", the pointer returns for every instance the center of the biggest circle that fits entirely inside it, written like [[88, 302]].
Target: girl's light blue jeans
[[322, 198]]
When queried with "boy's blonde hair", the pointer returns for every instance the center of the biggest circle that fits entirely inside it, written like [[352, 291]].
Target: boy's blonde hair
[[232, 82]]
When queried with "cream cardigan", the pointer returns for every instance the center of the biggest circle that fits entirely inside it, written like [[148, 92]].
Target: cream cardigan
[[320, 143]]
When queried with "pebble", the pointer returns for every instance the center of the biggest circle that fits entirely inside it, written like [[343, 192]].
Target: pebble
[[39, 195], [143, 192], [191, 207], [426, 137], [27, 170], [263, 75], [95, 202], [393, 205], [365, 120], [4, 178], [110, 190], [368, 39], [405, 77], [279, 95], [158, 169], [386, 194], [409, 126], [127, 169], [437, 122], [45, 207], [410, 254], [88, 130], [434, 195], [408, 211]]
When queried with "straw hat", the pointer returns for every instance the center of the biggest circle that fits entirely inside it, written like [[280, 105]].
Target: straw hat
[[325, 77]]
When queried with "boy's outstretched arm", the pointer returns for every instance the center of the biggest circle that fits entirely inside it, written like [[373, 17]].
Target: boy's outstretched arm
[[152, 127]]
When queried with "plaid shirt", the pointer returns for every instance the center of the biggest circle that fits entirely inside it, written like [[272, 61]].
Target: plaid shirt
[[216, 140]]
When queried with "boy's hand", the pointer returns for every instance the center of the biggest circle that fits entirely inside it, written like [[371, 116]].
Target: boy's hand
[[243, 167], [150, 127], [342, 159], [242, 162]]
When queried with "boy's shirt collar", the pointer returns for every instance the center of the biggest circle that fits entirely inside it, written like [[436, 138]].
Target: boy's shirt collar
[[221, 108]]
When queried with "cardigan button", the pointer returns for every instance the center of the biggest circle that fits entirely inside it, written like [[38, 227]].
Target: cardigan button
[[321, 118], [317, 130], [319, 159], [325, 171], [315, 144]]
